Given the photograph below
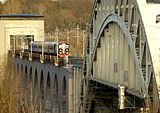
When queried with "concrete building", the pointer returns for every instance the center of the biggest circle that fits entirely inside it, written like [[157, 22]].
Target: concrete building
[[17, 28]]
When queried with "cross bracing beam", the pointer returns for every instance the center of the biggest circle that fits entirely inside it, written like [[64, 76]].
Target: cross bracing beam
[[121, 49]]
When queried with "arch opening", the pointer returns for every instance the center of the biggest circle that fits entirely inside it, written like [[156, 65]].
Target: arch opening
[[42, 92], [17, 68], [35, 85], [25, 69], [48, 94], [64, 89], [21, 68], [25, 76], [30, 75], [30, 81]]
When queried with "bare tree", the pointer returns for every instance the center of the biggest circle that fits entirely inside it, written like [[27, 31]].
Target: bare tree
[[14, 97], [9, 88]]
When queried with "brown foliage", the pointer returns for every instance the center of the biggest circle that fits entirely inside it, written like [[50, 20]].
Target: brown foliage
[[62, 14], [12, 7]]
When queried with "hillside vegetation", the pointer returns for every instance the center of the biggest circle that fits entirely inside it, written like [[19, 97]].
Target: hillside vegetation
[[64, 14]]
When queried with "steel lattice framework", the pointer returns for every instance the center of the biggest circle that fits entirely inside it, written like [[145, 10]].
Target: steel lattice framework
[[123, 50]]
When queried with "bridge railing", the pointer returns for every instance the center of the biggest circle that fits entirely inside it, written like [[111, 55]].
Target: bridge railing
[[75, 81]]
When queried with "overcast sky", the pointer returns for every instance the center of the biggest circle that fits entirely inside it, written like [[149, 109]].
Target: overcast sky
[[3, 1]]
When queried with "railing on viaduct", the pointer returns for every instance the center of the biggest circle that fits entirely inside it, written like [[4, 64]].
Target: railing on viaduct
[[54, 87]]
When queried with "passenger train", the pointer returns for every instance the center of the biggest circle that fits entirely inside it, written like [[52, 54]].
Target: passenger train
[[50, 48]]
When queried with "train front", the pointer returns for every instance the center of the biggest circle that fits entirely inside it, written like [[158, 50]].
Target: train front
[[63, 49]]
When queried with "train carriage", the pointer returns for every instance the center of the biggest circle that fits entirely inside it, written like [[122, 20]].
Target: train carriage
[[50, 48]]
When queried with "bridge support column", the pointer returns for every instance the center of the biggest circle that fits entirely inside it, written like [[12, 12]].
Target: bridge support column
[[121, 94], [69, 88], [21, 54], [30, 56], [42, 58]]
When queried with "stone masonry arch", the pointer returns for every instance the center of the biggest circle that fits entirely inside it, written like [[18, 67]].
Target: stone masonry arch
[[48, 83]]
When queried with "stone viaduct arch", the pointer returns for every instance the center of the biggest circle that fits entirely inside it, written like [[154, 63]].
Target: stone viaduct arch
[[50, 84]]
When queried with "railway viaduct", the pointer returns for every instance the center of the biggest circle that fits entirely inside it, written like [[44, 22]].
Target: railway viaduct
[[53, 87], [121, 67]]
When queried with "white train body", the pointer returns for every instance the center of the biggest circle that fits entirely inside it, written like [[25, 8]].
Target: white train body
[[50, 48]]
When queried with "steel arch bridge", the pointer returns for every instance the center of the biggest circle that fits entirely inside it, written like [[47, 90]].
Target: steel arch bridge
[[122, 58]]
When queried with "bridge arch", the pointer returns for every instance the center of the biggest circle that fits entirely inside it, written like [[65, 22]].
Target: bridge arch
[[108, 39], [120, 48]]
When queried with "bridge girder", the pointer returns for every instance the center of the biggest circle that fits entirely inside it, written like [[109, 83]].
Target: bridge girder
[[118, 51]]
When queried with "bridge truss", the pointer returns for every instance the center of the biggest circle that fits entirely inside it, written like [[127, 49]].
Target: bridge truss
[[121, 69]]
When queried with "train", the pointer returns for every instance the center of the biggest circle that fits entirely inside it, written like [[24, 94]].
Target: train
[[60, 49]]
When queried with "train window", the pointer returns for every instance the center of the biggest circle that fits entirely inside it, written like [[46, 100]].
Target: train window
[[45, 46], [158, 18], [55, 48], [40, 46]]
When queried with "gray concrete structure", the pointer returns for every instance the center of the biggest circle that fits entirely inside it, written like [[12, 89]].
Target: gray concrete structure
[[58, 85], [49, 78]]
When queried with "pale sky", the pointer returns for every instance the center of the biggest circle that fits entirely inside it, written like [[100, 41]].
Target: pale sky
[[3, 1]]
